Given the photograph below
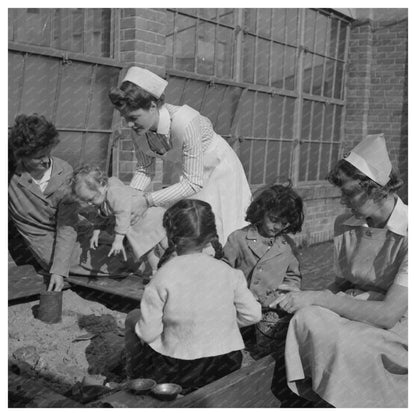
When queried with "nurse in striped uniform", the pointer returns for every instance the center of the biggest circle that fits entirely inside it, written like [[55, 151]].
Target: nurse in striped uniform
[[204, 165]]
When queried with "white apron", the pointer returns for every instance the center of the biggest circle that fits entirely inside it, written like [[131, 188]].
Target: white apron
[[225, 185]]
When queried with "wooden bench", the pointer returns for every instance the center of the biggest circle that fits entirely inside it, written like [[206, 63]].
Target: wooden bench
[[251, 386]]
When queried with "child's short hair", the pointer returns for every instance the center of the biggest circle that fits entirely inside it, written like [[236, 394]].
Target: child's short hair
[[92, 176], [190, 223], [281, 201]]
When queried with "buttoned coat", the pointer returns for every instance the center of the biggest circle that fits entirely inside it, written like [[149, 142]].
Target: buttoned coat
[[265, 266]]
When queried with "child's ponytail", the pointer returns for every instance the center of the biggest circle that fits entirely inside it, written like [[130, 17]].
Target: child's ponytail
[[219, 252], [166, 255]]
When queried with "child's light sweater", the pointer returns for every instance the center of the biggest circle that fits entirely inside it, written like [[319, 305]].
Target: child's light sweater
[[194, 306]]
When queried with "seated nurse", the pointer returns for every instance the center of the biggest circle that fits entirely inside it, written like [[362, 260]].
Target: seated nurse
[[349, 345], [204, 165]]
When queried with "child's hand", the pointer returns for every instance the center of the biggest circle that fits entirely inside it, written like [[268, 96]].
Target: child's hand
[[118, 247], [94, 239]]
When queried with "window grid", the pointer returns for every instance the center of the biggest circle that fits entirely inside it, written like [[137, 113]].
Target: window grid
[[322, 88]]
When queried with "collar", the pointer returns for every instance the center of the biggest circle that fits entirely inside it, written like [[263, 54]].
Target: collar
[[46, 175], [164, 121], [397, 223], [252, 233]]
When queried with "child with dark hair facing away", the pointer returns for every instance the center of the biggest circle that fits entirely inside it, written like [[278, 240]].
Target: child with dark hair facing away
[[265, 254], [114, 199], [187, 329]]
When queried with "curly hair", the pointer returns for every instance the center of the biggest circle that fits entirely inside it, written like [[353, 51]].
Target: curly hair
[[280, 201], [190, 224], [130, 97], [372, 189], [92, 176], [31, 134]]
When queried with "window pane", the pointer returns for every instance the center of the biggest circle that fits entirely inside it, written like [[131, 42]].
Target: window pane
[[257, 161], [248, 58], [224, 57], [324, 163], [250, 19], [277, 65], [205, 57], [173, 92], [335, 154], [285, 161], [40, 84], [101, 112], [226, 16], [342, 40], [328, 122], [314, 149], [329, 77], [290, 68], [334, 38], [292, 26], [208, 13], [228, 109], [264, 17], [289, 118], [213, 100], [303, 161], [309, 29], [317, 75], [32, 26], [185, 43], [278, 25], [318, 112], [261, 111], [193, 12], [307, 73], [338, 79], [16, 66], [276, 117], [194, 93], [306, 120], [337, 123], [69, 148], [97, 31], [246, 118], [74, 95], [244, 156], [96, 147], [262, 61], [272, 161], [321, 31]]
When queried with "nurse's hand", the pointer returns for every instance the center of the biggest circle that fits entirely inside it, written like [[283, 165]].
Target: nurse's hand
[[295, 300], [56, 283]]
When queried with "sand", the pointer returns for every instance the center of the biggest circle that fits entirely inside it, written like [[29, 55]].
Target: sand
[[48, 350]]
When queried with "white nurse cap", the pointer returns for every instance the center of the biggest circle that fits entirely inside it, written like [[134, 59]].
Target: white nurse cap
[[371, 158], [147, 80]]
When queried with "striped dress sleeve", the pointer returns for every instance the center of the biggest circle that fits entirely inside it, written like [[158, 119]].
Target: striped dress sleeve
[[191, 180]]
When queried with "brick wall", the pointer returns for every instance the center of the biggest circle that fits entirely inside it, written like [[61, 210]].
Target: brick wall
[[142, 43], [377, 85]]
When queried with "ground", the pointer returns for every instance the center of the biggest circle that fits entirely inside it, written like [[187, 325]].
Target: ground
[[52, 352]]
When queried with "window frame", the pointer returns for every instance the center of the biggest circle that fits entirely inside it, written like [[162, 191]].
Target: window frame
[[66, 58], [298, 94]]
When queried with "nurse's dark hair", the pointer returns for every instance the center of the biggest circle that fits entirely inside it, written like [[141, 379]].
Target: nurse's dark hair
[[280, 201], [190, 224], [371, 188], [92, 176], [130, 97], [31, 134]]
